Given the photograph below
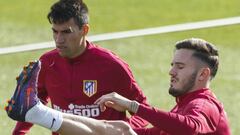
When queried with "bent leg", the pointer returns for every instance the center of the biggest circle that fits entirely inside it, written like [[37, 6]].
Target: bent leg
[[76, 125]]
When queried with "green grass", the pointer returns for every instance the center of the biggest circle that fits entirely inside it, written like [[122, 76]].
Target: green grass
[[25, 22], [148, 56]]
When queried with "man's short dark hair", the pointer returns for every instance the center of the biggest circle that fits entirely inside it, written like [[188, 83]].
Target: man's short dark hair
[[203, 50], [63, 10]]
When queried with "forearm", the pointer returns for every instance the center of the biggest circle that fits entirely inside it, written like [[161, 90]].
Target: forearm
[[170, 122], [135, 121]]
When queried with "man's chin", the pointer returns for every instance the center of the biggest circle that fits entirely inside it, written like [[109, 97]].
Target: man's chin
[[62, 54], [174, 92]]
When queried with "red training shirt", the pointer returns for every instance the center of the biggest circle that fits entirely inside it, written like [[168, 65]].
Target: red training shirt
[[198, 112], [74, 84]]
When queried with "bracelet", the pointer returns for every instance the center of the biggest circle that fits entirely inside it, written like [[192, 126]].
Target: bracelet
[[134, 106]]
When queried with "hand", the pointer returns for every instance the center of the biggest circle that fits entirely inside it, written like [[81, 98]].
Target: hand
[[113, 100], [117, 102]]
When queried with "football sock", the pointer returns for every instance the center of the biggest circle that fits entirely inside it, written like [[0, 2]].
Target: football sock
[[45, 116]]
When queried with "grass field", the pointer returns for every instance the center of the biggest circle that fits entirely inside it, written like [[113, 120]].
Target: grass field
[[148, 56]]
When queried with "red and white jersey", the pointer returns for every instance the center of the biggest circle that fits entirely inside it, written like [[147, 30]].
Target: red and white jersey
[[74, 84]]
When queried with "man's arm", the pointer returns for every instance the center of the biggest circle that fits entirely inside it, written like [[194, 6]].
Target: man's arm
[[197, 119]]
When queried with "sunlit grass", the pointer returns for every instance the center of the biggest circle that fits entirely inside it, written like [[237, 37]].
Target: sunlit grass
[[148, 56]]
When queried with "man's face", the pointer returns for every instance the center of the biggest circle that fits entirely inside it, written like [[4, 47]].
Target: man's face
[[183, 72], [69, 39]]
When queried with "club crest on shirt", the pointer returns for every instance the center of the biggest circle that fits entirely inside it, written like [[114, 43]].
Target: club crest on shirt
[[89, 87]]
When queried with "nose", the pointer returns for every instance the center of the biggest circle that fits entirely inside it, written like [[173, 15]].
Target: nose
[[59, 38], [172, 72]]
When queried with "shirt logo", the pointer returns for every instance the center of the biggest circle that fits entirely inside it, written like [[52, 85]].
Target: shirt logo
[[91, 110], [89, 87]]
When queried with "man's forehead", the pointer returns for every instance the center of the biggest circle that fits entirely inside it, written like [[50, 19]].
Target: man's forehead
[[55, 27], [184, 52], [183, 55], [69, 25]]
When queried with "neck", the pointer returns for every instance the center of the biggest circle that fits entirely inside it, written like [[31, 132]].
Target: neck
[[81, 49], [200, 86]]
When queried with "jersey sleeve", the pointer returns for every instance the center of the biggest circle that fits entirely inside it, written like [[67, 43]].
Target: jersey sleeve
[[149, 131], [197, 120], [21, 128], [126, 86], [42, 92]]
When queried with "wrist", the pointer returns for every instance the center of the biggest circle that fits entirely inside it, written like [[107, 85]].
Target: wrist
[[133, 107]]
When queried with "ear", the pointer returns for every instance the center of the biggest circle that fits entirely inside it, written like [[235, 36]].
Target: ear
[[204, 73], [85, 29]]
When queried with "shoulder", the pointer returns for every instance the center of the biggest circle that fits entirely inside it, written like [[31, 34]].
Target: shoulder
[[49, 56], [106, 56], [208, 109], [206, 103]]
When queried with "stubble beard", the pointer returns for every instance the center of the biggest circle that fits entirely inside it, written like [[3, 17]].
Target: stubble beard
[[186, 88]]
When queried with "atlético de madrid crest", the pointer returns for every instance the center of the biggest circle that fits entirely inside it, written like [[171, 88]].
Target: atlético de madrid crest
[[89, 87]]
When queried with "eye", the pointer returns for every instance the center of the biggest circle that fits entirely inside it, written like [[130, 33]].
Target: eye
[[54, 31], [67, 31], [180, 66]]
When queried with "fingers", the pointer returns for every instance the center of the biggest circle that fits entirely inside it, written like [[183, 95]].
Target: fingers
[[109, 104], [104, 98], [101, 101], [113, 100], [108, 100]]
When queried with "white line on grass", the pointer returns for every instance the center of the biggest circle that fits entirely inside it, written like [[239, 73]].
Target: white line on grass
[[131, 33]]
